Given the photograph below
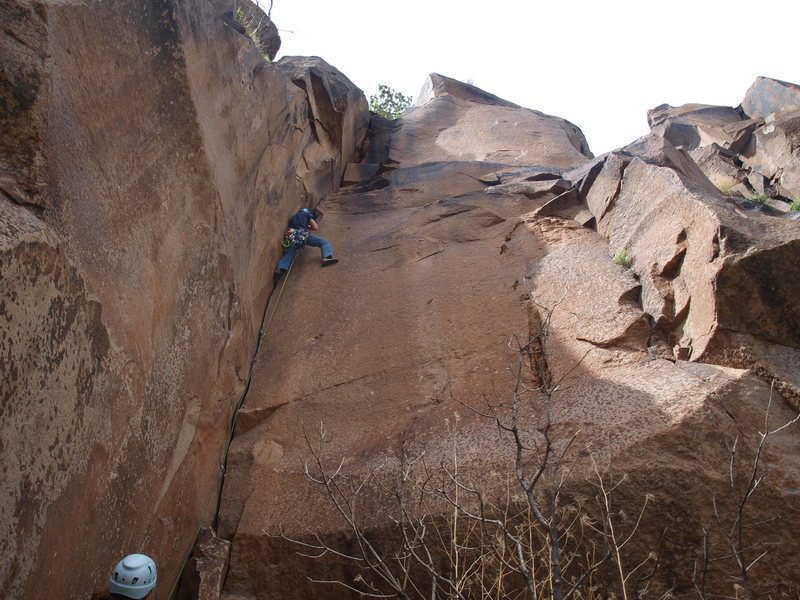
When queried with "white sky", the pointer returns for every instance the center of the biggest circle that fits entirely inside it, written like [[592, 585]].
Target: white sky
[[601, 64]]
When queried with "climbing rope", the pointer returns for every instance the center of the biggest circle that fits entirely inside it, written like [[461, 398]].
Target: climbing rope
[[265, 323], [224, 467], [264, 330]]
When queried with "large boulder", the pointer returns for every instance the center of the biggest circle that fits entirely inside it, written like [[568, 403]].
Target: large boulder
[[137, 234], [774, 152], [762, 134], [337, 117], [454, 121], [767, 96], [258, 26], [693, 125]]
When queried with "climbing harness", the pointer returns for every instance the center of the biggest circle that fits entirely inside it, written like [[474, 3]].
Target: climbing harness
[[295, 237]]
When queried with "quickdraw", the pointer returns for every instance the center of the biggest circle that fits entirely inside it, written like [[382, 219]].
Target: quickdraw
[[295, 237]]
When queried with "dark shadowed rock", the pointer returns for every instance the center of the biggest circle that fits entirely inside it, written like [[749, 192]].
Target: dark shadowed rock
[[337, 116], [740, 132], [260, 28], [375, 149], [360, 173], [723, 168], [205, 571], [568, 205], [23, 89]]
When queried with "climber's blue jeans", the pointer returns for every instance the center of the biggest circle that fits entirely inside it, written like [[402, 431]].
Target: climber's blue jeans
[[311, 240]]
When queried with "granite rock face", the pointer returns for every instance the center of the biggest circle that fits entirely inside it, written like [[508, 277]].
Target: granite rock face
[[138, 232], [442, 253], [148, 162]]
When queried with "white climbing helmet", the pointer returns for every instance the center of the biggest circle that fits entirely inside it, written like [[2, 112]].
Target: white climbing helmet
[[134, 576]]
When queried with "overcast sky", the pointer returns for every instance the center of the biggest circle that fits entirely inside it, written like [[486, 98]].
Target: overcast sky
[[601, 64]]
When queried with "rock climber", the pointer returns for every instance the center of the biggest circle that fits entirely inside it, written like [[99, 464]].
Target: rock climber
[[297, 236], [133, 578]]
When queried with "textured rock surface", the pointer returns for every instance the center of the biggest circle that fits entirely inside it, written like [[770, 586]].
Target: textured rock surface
[[762, 132], [337, 117], [205, 571], [774, 152], [260, 28], [693, 125], [437, 266], [451, 122], [137, 233], [767, 96], [23, 47], [148, 161]]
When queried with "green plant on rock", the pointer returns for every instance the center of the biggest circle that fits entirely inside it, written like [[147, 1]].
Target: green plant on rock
[[759, 197], [254, 23], [623, 259], [389, 103], [794, 206], [247, 22]]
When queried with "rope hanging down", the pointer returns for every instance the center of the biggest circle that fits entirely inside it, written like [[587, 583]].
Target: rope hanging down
[[262, 332]]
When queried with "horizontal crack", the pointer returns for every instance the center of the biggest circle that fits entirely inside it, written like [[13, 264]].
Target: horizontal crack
[[427, 256]]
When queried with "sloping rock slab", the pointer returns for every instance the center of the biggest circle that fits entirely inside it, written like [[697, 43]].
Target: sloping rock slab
[[598, 301], [459, 123]]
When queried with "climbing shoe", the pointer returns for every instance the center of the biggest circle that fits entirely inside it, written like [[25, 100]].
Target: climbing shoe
[[329, 260], [276, 276]]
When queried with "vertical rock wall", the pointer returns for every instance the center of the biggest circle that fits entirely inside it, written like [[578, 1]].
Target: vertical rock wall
[[480, 218], [149, 159]]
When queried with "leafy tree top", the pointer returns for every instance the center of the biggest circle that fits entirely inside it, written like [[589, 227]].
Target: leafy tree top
[[389, 103]]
